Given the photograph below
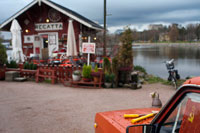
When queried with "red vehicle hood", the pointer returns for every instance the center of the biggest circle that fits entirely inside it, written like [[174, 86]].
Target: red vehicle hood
[[114, 121]]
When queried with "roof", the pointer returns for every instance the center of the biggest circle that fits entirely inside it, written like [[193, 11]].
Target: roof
[[81, 19]]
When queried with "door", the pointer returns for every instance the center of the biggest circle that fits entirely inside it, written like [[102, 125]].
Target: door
[[53, 43], [37, 46], [49, 42]]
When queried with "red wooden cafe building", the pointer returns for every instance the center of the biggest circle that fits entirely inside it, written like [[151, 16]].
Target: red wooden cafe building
[[45, 26]]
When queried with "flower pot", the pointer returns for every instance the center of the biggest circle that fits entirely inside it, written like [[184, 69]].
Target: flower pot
[[2, 74], [156, 101], [86, 79], [76, 77], [96, 79], [108, 85]]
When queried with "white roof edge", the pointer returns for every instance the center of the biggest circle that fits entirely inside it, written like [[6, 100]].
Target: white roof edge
[[17, 14], [51, 5]]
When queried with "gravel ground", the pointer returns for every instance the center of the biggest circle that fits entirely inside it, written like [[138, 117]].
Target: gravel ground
[[29, 107]]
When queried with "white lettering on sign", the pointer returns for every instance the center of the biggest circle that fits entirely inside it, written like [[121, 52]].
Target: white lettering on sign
[[48, 26]]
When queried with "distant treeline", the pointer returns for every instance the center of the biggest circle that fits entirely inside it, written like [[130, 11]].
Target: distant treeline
[[172, 33]]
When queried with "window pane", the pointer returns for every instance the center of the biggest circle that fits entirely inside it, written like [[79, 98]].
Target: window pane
[[185, 117]]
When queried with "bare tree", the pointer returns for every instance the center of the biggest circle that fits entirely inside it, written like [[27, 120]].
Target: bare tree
[[173, 33], [191, 32], [197, 31]]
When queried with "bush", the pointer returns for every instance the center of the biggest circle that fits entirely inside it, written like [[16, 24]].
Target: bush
[[77, 72], [30, 66], [26, 65], [125, 54], [109, 78], [139, 68], [3, 55], [87, 71], [12, 64], [106, 65], [96, 69], [34, 67]]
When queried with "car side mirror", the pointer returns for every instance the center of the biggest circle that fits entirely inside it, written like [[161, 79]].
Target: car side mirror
[[145, 128]]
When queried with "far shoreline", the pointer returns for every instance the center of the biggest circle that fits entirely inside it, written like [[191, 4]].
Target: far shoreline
[[170, 44]]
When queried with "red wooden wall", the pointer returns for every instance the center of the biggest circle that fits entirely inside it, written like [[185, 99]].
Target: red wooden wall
[[39, 14]]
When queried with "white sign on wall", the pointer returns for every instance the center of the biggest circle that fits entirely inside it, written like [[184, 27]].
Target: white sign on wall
[[28, 39], [48, 26]]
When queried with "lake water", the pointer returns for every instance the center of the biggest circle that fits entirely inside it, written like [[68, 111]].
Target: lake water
[[151, 57]]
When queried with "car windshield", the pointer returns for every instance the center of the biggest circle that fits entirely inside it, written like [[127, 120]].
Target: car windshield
[[185, 117]]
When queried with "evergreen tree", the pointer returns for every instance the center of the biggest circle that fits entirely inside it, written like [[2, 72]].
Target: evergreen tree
[[125, 55]]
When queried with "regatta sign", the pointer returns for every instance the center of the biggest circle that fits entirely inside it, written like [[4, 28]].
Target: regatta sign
[[48, 26]]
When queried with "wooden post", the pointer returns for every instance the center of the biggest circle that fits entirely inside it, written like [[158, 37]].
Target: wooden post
[[104, 33]]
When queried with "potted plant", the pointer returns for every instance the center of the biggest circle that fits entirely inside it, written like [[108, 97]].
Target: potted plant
[[109, 78], [86, 73], [96, 74], [76, 75], [30, 66], [12, 64], [3, 58], [125, 57]]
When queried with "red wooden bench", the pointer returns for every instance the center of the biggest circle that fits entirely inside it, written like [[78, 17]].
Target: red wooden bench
[[46, 73]]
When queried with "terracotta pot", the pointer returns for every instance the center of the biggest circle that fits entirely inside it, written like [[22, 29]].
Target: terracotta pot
[[96, 79], [2, 73], [95, 74]]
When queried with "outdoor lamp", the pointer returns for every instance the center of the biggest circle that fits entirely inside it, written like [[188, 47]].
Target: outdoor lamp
[[26, 30], [95, 38], [47, 20]]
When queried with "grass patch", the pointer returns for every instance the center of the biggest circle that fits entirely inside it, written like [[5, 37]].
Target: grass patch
[[153, 79], [139, 68], [47, 80]]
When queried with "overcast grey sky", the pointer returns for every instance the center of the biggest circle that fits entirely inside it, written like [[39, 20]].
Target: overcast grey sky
[[135, 13]]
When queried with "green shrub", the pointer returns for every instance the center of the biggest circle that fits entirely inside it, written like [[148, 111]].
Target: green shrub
[[96, 69], [106, 65], [125, 54], [87, 71], [3, 55], [30, 66], [12, 64], [139, 68], [115, 64], [26, 65], [34, 67], [109, 78], [77, 72]]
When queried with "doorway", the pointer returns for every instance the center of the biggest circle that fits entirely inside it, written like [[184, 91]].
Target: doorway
[[49, 42]]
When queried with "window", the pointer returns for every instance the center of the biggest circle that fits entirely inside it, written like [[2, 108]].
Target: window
[[186, 116]]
